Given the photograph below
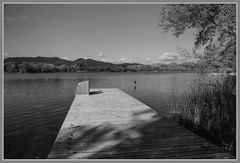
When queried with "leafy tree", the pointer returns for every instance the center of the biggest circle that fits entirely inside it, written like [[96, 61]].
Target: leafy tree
[[63, 68], [11, 67], [214, 26]]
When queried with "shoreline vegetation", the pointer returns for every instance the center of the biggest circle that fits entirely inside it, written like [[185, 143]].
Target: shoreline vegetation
[[209, 110], [209, 107], [55, 64]]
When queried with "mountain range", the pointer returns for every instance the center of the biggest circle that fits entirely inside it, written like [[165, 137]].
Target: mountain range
[[93, 65]]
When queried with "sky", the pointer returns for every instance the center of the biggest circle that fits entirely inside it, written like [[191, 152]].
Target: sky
[[105, 32]]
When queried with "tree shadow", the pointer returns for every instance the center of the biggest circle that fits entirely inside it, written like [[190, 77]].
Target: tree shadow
[[147, 136]]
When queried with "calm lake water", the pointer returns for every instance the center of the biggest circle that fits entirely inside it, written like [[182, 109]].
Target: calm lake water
[[35, 105]]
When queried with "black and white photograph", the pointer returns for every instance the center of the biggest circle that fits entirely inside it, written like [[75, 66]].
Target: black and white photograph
[[119, 81]]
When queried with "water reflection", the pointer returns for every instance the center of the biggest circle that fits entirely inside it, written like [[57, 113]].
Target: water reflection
[[135, 88]]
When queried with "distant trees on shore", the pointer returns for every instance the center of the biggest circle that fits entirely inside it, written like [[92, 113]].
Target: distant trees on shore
[[31, 67]]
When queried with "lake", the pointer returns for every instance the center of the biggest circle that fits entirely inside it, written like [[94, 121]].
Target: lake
[[35, 105]]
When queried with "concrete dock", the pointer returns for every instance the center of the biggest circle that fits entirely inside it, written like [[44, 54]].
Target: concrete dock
[[110, 124]]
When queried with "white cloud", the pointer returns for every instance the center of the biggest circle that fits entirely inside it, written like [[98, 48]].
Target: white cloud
[[149, 59], [125, 59], [66, 58], [105, 60], [6, 55], [168, 56], [85, 58], [99, 54], [102, 57]]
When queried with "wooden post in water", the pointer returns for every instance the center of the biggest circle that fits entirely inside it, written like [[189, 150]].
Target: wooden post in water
[[82, 88]]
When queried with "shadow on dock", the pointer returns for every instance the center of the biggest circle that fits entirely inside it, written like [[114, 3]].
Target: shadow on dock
[[95, 92], [158, 139]]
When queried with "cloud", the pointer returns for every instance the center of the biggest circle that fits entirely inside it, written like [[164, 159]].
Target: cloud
[[125, 59], [102, 57], [169, 57], [99, 54], [149, 59], [6, 55], [66, 58], [105, 60]]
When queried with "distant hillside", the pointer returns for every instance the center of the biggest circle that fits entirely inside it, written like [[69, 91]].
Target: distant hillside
[[128, 64], [50, 60], [55, 64], [91, 62]]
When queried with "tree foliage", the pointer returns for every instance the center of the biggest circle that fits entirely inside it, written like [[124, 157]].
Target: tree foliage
[[214, 26]]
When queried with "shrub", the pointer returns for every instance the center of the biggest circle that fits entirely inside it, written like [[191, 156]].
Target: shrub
[[209, 109]]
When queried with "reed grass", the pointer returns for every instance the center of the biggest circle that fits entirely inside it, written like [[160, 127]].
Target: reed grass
[[209, 109]]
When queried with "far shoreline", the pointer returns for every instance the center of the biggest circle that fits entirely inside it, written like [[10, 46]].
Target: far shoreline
[[101, 72]]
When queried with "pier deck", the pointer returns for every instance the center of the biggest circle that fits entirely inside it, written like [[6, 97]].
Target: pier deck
[[110, 124]]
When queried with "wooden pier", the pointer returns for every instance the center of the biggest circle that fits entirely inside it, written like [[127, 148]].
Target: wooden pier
[[110, 124]]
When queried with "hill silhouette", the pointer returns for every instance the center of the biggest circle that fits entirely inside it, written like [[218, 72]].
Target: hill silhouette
[[55, 64]]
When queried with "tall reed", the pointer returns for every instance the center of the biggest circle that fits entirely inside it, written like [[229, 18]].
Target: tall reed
[[209, 109]]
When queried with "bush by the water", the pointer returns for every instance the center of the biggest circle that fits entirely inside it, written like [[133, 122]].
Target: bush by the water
[[209, 109]]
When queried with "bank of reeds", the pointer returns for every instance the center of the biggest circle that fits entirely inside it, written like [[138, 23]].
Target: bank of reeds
[[209, 109]]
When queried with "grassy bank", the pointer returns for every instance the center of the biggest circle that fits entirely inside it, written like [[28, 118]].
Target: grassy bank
[[209, 109]]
